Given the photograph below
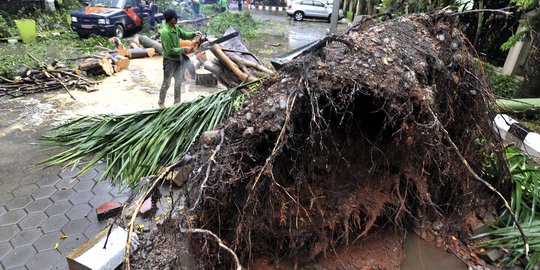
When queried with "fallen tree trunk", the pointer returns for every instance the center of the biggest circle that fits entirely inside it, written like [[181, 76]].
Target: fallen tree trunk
[[147, 42]]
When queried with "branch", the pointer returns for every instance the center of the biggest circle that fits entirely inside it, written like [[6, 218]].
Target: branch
[[218, 240], [486, 183], [500, 10]]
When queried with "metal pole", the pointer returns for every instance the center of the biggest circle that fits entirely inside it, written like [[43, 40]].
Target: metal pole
[[334, 18]]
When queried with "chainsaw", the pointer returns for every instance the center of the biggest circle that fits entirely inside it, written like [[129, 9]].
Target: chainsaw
[[202, 44]]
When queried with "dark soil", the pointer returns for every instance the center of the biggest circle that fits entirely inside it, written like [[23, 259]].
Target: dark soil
[[355, 135]]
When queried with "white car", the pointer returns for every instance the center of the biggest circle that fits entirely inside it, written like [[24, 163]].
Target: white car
[[300, 9]]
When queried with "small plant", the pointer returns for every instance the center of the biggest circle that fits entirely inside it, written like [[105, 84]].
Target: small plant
[[525, 199], [503, 85]]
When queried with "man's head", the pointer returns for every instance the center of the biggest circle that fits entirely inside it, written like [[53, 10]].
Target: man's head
[[169, 15]]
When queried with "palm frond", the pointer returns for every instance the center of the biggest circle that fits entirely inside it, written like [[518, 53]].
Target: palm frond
[[525, 198], [137, 144]]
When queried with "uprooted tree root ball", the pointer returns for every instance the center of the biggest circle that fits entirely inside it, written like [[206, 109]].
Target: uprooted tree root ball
[[355, 134]]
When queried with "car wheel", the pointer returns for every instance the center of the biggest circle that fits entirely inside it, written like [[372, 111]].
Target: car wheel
[[119, 31], [330, 18], [298, 16], [81, 35]]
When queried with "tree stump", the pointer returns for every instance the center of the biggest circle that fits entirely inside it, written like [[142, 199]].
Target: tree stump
[[205, 77]]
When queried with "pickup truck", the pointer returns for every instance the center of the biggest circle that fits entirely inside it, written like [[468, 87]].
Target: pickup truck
[[109, 18]]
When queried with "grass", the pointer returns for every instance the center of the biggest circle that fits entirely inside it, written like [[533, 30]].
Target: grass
[[138, 144], [525, 199], [66, 46]]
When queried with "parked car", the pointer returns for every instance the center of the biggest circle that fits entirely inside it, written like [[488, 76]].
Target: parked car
[[301, 9], [109, 18]]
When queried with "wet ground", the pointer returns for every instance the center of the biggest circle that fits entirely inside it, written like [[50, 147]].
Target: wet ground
[[38, 206]]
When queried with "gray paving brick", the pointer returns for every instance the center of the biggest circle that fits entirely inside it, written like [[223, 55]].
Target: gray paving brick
[[18, 202], [54, 223], [75, 226], [99, 199], [18, 257], [2, 210], [45, 258], [29, 179], [25, 237], [90, 174], [8, 231], [9, 187], [5, 247], [48, 181], [63, 195], [100, 188], [82, 198], [43, 192], [38, 206], [78, 211], [25, 190], [5, 198], [66, 184], [70, 243], [58, 208], [92, 216], [86, 185], [32, 220], [12, 217], [60, 265], [94, 228], [69, 173], [47, 241]]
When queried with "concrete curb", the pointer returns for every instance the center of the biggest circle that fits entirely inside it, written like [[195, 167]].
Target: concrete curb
[[268, 8]]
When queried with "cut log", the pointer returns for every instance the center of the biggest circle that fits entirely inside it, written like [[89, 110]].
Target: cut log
[[224, 75], [141, 52], [120, 62], [134, 45], [205, 77], [147, 42], [241, 61], [97, 66], [120, 47], [216, 50]]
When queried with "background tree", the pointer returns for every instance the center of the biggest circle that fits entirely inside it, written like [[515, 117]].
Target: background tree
[[531, 70]]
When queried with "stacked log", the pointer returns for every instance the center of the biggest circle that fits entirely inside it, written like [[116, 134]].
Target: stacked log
[[48, 77]]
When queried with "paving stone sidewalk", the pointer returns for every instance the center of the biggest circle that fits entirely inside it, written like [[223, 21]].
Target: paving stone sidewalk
[[40, 207]]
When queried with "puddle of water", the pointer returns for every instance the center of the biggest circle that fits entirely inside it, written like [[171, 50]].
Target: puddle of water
[[420, 254]]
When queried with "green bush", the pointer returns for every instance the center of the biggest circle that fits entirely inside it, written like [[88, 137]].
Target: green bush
[[349, 16], [503, 85], [241, 21]]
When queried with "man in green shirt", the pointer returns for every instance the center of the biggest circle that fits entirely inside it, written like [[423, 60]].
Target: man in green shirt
[[172, 55], [224, 5]]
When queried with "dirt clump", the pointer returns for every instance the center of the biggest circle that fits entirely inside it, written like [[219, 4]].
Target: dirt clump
[[361, 132]]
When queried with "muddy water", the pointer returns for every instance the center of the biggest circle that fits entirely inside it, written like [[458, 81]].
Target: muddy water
[[420, 254]]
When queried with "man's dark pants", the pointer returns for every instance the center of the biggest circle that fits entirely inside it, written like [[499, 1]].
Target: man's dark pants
[[171, 69]]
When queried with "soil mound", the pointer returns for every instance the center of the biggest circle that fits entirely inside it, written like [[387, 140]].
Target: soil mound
[[361, 132]]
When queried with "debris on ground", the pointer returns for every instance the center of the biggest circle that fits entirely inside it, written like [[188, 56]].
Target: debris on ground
[[379, 127]]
